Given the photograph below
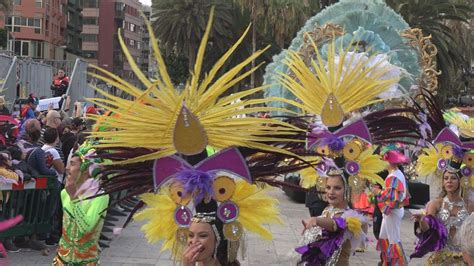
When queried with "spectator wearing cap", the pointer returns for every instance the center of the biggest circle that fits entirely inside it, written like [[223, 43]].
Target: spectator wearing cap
[[28, 110], [53, 120]]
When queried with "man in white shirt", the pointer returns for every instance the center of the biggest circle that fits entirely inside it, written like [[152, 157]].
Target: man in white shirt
[[53, 159]]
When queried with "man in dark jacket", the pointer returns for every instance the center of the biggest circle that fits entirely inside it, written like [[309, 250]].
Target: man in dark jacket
[[60, 84]]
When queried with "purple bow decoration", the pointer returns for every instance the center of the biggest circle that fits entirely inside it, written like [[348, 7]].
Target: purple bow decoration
[[358, 129], [318, 252], [228, 160]]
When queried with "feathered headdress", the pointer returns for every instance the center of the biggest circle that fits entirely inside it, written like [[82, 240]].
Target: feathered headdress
[[336, 84], [349, 152], [448, 153], [170, 121], [344, 82], [224, 178], [465, 124]]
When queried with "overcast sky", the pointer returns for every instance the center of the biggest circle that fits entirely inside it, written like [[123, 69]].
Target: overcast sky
[[146, 2]]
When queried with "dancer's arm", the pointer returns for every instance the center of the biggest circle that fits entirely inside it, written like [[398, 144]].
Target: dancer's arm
[[432, 209], [325, 223], [391, 197]]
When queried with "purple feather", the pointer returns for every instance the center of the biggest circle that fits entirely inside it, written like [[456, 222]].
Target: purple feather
[[318, 252], [457, 151], [333, 142], [197, 183], [432, 240]]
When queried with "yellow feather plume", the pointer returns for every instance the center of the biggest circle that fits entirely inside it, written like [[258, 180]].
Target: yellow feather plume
[[370, 165], [354, 225], [353, 88], [427, 163], [148, 120], [465, 126], [160, 216], [309, 176], [256, 208]]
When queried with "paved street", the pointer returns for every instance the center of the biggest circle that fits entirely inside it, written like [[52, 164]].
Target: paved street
[[131, 248]]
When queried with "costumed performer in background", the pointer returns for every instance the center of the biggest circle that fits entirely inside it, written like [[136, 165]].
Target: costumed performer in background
[[83, 218]]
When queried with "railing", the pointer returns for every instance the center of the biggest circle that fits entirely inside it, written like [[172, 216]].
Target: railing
[[34, 200]]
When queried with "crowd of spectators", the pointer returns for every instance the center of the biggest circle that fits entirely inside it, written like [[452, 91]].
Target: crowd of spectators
[[39, 144]]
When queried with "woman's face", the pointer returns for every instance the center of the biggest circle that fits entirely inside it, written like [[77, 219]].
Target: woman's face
[[335, 191], [203, 234], [450, 182]]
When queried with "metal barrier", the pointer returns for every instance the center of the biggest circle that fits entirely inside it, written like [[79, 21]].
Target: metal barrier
[[34, 200], [79, 88]]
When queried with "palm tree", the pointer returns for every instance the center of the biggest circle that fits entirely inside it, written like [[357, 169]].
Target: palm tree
[[280, 18], [436, 18], [180, 25], [5, 6]]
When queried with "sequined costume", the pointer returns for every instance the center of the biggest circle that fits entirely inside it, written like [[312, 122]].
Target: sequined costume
[[332, 248], [451, 253], [82, 224], [391, 204]]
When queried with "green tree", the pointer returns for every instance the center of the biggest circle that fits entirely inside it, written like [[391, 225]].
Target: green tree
[[280, 18], [180, 24], [444, 20], [6, 5]]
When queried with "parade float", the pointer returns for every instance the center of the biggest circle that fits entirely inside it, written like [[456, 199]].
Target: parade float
[[374, 34]]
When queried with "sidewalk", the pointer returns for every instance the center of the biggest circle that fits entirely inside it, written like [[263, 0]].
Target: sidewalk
[[131, 248]]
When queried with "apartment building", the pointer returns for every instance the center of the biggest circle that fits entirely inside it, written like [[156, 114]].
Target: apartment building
[[100, 44], [36, 28]]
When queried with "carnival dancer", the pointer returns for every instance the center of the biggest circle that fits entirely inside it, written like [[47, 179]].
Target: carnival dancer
[[391, 201], [325, 89], [83, 218], [439, 225], [206, 242], [331, 237], [158, 152]]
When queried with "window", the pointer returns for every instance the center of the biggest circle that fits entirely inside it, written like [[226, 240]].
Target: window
[[139, 45], [32, 49], [119, 7], [90, 54], [132, 43], [15, 23], [91, 3], [89, 37], [39, 3], [25, 50], [17, 2], [90, 21], [132, 27]]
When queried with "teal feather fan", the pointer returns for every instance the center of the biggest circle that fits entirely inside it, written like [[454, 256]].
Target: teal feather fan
[[369, 21]]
